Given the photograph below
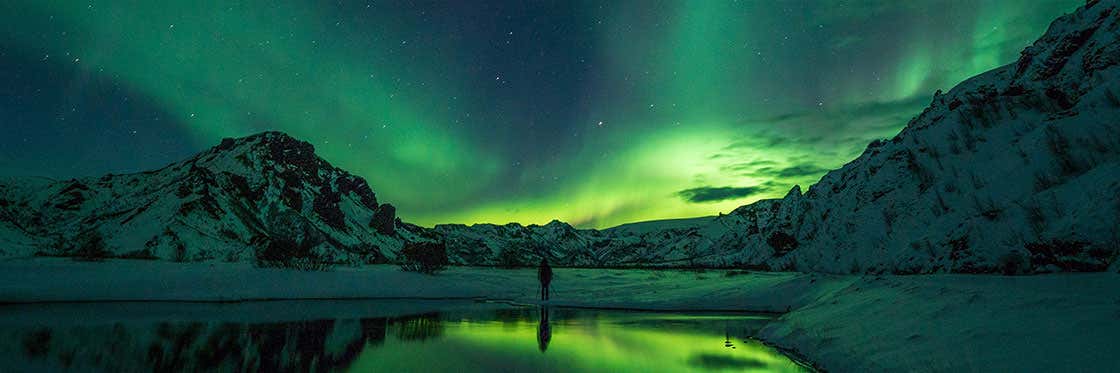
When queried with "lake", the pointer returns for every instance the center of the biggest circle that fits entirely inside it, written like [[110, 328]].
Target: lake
[[382, 336]]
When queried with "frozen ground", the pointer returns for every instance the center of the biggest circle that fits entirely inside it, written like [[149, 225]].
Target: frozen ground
[[1059, 322]]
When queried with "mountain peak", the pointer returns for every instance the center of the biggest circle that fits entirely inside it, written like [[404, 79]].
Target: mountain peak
[[265, 150], [278, 144], [1075, 45]]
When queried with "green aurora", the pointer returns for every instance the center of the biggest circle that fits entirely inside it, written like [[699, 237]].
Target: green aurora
[[592, 113]]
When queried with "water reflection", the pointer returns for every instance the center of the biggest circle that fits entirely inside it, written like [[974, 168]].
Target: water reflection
[[455, 340], [544, 331], [419, 327]]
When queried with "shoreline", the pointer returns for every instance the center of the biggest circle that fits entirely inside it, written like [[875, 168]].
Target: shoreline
[[838, 323]]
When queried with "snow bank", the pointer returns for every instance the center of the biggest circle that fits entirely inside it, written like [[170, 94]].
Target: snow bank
[[1066, 322]]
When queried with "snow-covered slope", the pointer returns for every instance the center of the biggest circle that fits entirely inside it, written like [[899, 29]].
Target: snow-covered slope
[[1016, 167], [227, 203]]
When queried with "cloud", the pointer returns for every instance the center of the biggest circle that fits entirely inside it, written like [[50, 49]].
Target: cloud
[[771, 170], [749, 167], [716, 194], [801, 170], [896, 111]]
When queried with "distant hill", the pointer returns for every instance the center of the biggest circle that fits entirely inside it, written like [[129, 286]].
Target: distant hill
[[658, 225]]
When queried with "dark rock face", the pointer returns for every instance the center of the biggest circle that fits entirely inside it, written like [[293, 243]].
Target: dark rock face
[[781, 242], [1069, 256], [384, 219], [72, 196], [286, 150], [424, 257], [326, 205], [242, 189], [358, 186]]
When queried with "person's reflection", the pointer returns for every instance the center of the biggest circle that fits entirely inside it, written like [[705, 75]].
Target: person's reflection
[[544, 331]]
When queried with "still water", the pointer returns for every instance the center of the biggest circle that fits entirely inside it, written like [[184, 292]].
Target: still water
[[377, 337]]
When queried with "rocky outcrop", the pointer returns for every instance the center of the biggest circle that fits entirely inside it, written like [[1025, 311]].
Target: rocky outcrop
[[385, 219]]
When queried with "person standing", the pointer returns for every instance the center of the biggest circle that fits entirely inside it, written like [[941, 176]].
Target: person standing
[[544, 274]]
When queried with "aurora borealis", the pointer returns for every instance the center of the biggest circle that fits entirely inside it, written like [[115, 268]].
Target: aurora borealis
[[594, 113]]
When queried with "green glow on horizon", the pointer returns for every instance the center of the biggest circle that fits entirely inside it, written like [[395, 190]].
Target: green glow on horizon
[[709, 94], [636, 184]]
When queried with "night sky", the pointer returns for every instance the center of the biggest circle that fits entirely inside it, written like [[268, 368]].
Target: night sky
[[595, 113]]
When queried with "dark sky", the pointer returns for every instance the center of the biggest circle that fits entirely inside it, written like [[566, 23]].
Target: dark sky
[[596, 113]]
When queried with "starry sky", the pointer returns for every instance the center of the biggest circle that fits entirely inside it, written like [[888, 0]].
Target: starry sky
[[592, 112]]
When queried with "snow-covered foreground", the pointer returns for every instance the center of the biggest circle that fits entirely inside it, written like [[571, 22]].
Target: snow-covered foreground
[[844, 323], [1052, 323]]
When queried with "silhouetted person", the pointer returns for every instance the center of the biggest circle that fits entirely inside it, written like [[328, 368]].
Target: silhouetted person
[[544, 273], [544, 331]]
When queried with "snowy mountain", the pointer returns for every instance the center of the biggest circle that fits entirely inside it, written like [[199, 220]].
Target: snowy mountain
[[1016, 170], [1016, 167], [229, 203], [670, 243]]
